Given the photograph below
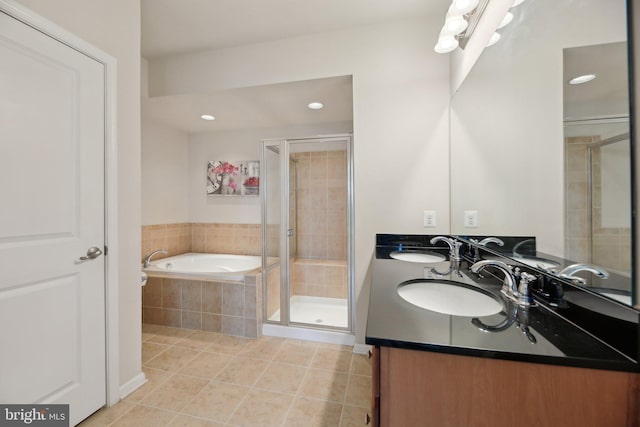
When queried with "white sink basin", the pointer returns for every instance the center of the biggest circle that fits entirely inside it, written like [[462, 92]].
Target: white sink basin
[[449, 298], [537, 262], [422, 257]]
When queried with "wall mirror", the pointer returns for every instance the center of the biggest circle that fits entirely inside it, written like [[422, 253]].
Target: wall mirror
[[533, 155]]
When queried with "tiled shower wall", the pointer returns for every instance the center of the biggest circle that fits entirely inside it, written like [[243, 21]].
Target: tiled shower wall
[[322, 204], [319, 278], [610, 246], [238, 239]]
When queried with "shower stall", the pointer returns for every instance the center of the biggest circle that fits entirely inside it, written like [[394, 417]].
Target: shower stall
[[598, 193], [307, 223]]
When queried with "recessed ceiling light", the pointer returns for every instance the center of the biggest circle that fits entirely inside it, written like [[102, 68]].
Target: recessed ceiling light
[[582, 79], [315, 105], [207, 117]]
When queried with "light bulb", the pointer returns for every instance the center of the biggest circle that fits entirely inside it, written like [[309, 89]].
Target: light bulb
[[462, 7], [494, 39], [506, 20], [454, 25], [446, 44]]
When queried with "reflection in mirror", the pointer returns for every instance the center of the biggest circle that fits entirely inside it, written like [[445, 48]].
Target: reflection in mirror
[[597, 169], [535, 156]]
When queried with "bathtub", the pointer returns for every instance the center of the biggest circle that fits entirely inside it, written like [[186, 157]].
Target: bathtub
[[210, 267]]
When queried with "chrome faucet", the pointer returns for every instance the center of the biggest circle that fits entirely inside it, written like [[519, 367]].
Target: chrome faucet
[[147, 259], [519, 293], [483, 242], [454, 246], [569, 271], [454, 254]]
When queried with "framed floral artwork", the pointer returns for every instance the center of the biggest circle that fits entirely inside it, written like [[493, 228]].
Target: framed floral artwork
[[233, 178]]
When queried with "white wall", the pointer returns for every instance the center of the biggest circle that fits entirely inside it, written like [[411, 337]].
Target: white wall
[[165, 171], [114, 27], [507, 143], [237, 145], [400, 102]]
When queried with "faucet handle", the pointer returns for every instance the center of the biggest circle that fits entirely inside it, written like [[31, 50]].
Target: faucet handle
[[524, 291]]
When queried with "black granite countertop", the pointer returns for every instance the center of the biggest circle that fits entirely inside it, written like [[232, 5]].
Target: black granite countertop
[[536, 334]]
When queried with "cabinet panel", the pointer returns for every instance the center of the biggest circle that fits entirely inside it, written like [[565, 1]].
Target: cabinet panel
[[420, 388]]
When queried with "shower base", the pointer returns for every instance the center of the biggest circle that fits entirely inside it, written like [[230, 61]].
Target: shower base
[[317, 311]]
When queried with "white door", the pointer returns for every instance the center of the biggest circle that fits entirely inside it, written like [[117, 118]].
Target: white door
[[52, 303]]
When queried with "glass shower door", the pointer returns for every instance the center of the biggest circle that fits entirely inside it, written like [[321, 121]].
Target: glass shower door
[[272, 276], [307, 218]]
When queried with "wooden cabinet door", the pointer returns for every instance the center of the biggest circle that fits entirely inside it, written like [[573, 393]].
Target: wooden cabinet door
[[427, 389]]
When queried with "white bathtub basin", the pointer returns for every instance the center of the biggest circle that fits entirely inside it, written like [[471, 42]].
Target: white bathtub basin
[[449, 298], [204, 266]]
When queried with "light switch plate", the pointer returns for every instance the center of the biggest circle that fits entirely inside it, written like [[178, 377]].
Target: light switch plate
[[471, 219], [430, 219]]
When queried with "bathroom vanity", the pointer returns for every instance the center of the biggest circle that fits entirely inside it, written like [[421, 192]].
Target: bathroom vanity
[[525, 366]]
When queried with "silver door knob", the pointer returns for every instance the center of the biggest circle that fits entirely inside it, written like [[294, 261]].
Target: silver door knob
[[92, 252]]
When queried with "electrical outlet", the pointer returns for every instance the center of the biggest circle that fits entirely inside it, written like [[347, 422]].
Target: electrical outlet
[[471, 219], [429, 219]]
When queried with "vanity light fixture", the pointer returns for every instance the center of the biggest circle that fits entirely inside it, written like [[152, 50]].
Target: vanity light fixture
[[315, 105], [455, 23], [461, 20], [582, 79], [208, 117]]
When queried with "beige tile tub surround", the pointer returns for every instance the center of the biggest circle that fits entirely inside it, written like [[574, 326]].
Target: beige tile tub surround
[[175, 238], [236, 239], [201, 378], [232, 308]]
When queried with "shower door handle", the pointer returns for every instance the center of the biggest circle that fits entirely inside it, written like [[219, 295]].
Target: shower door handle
[[291, 232]]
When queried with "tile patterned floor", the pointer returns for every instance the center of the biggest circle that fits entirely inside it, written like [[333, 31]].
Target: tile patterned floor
[[198, 378]]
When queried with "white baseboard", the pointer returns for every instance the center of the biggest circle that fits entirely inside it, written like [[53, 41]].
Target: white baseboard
[[362, 348], [132, 385]]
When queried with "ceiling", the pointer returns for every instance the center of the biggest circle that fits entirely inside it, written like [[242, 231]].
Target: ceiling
[[179, 26], [255, 107], [172, 27], [607, 94]]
